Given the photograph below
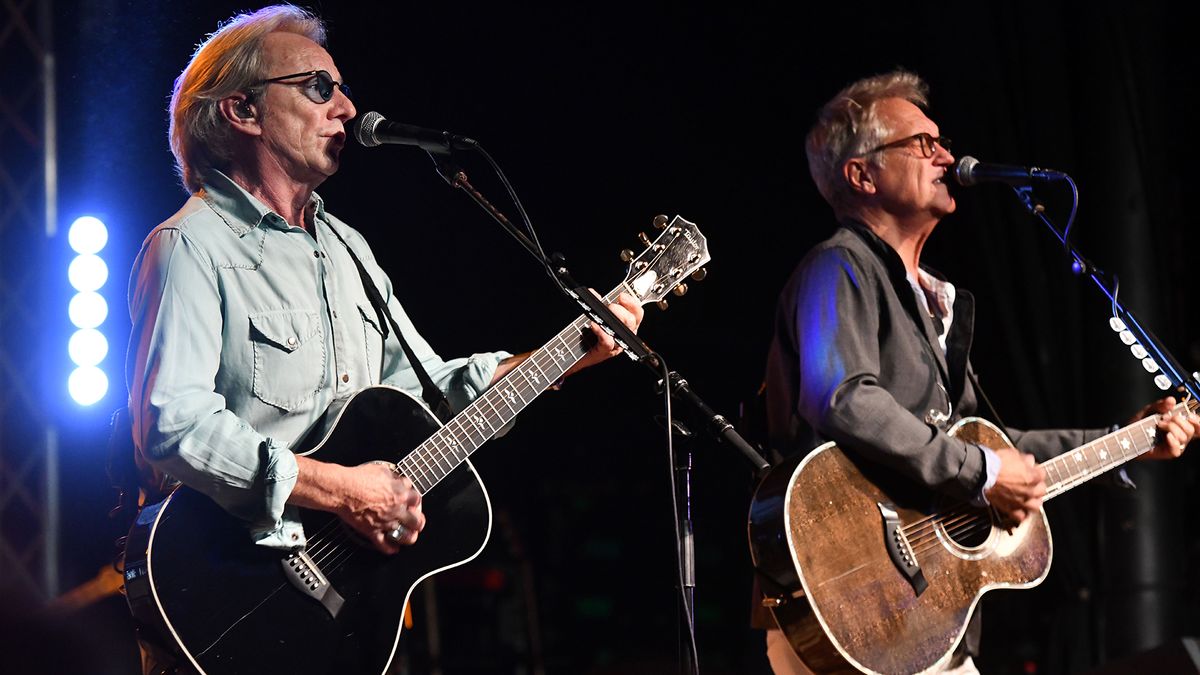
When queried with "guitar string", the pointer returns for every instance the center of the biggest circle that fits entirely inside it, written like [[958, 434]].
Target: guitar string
[[333, 554], [961, 527], [963, 520], [953, 519], [968, 528], [976, 523], [1074, 478], [923, 543], [327, 550]]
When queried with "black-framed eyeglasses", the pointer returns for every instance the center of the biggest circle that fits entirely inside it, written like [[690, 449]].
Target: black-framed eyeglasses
[[317, 84], [927, 144]]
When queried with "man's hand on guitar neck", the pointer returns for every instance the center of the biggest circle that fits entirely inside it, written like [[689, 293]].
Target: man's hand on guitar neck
[[603, 347], [371, 498], [1020, 486], [1175, 428]]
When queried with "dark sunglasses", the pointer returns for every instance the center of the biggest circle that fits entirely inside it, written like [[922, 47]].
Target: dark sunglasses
[[317, 85], [927, 144]]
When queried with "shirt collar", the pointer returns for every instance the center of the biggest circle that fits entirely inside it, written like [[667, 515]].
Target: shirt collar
[[242, 211]]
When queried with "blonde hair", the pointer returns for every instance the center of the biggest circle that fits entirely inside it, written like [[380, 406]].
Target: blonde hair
[[229, 61], [849, 126]]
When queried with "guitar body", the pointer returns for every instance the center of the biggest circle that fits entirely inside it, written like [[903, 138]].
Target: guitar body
[[195, 577], [819, 534]]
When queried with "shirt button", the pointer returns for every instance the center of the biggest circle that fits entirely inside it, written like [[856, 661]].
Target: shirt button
[[345, 377], [295, 537], [316, 254], [291, 342], [335, 313]]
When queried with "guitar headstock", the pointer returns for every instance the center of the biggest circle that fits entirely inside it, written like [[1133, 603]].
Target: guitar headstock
[[678, 252]]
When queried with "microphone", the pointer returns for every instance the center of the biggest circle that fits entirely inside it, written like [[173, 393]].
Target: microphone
[[969, 171], [373, 129]]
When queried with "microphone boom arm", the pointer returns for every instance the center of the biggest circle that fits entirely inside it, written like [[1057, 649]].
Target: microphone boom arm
[[1174, 374]]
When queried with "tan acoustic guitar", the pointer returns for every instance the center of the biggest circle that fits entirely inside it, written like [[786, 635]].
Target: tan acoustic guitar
[[862, 574]]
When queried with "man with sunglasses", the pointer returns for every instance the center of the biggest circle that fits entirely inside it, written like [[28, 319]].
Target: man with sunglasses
[[252, 310], [871, 348]]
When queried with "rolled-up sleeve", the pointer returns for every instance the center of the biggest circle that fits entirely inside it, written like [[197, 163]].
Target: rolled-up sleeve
[[181, 424]]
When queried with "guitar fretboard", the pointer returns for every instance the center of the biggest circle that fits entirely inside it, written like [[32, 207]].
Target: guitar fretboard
[[450, 446], [1107, 452]]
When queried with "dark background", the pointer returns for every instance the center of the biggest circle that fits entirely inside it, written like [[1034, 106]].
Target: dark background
[[605, 114]]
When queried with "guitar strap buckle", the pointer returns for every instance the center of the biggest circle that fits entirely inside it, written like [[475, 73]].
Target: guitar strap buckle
[[938, 418]]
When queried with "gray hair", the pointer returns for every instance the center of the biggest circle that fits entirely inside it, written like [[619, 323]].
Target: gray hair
[[229, 61], [849, 126]]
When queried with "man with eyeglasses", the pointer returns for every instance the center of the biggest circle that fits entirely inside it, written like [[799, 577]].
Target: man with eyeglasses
[[251, 309], [871, 348]]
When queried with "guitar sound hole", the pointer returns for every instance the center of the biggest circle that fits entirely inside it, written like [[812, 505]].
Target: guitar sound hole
[[969, 530]]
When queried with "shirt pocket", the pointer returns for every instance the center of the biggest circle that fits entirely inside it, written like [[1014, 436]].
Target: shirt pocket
[[289, 357]]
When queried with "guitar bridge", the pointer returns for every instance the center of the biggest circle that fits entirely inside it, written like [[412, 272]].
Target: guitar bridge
[[899, 549], [304, 574]]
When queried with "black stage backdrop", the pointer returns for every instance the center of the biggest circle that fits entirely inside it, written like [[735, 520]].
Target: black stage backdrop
[[605, 114]]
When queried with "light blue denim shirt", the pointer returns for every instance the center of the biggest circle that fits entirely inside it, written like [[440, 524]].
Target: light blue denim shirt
[[245, 329]]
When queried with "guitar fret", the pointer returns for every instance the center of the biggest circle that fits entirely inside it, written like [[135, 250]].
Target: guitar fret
[[440, 464], [1107, 452], [506, 395], [419, 459], [481, 418], [538, 377], [472, 433]]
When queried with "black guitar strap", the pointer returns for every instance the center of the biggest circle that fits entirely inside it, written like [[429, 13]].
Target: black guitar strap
[[987, 401], [433, 396]]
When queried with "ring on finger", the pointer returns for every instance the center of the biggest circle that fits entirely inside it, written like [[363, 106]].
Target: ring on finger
[[397, 533]]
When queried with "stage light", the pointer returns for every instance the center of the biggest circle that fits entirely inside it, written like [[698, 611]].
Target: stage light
[[87, 235], [87, 385], [87, 310], [87, 347], [87, 272]]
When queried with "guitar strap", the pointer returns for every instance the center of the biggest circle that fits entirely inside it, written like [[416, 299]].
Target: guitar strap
[[433, 396], [987, 401]]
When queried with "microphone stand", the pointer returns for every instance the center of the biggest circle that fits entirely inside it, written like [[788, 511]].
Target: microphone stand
[[717, 425], [1173, 375], [685, 542]]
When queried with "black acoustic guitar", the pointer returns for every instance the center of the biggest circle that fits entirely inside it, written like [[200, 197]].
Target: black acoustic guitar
[[230, 607]]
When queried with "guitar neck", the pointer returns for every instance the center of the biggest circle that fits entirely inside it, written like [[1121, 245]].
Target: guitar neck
[[1107, 452], [445, 450]]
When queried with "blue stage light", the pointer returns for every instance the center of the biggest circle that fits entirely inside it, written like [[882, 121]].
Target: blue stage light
[[87, 385], [87, 347], [87, 310], [87, 272], [87, 235]]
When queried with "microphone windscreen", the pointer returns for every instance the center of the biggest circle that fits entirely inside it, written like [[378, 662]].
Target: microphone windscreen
[[364, 131], [964, 170]]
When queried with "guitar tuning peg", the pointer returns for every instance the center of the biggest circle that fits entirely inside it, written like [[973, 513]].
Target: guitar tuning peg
[[641, 236], [662, 304], [699, 274], [660, 221], [627, 255], [681, 290]]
